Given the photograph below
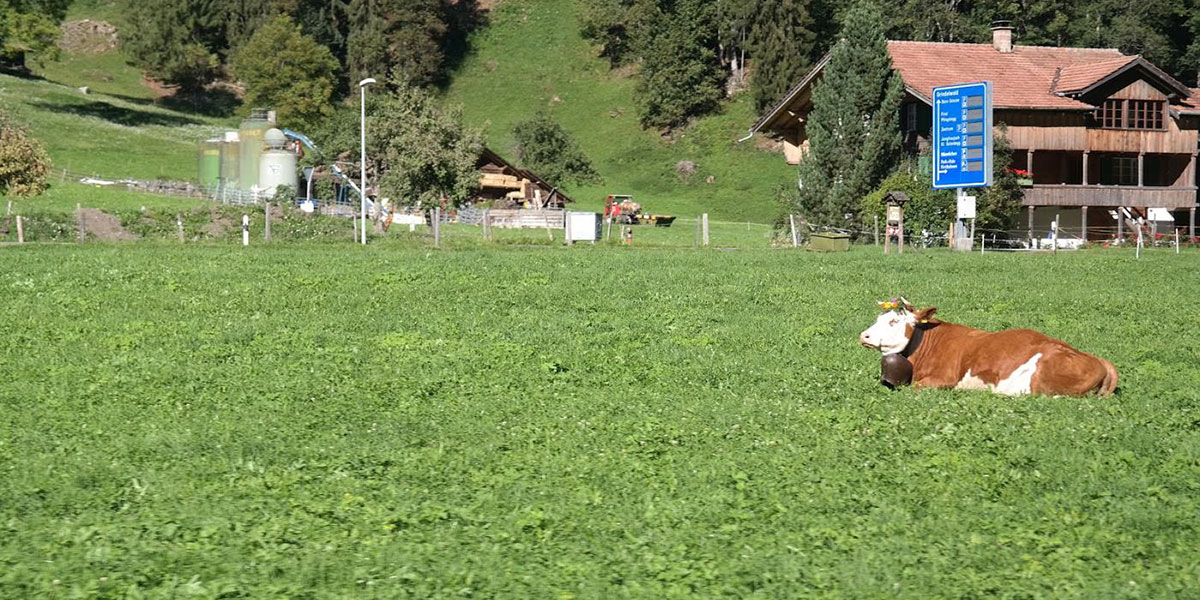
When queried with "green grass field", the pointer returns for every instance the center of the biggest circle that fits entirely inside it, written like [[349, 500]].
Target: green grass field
[[321, 421]]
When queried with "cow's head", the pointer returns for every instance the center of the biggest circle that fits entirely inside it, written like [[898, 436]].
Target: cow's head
[[893, 328]]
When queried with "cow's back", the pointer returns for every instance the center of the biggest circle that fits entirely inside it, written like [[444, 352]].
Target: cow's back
[[1014, 361]]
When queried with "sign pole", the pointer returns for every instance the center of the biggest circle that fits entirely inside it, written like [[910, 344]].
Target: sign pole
[[962, 150]]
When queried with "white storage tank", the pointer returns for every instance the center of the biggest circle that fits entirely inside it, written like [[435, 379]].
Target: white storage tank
[[277, 165]]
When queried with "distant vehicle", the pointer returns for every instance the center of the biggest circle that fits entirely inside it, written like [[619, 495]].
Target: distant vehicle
[[622, 209]]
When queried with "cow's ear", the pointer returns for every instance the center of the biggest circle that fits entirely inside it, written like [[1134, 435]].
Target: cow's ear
[[925, 315]]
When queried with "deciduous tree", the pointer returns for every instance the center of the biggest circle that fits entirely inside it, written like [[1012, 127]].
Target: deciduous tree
[[426, 153], [285, 69], [544, 147], [29, 28]]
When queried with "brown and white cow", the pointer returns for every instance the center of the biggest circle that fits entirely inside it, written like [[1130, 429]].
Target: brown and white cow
[[1011, 362]]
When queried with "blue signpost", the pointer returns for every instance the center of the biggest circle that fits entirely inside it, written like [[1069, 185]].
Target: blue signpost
[[962, 143]]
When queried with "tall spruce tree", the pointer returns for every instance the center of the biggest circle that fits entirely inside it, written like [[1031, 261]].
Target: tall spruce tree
[[681, 77], [175, 41], [853, 129], [405, 36], [735, 21], [782, 40]]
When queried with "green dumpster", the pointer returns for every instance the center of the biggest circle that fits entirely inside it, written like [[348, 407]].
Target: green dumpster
[[829, 242]]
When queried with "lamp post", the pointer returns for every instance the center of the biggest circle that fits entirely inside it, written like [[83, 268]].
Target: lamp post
[[362, 86]]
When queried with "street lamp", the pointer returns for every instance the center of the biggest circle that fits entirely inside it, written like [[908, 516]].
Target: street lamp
[[362, 85]]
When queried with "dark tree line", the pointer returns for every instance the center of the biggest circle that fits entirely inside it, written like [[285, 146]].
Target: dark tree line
[[190, 43], [693, 52]]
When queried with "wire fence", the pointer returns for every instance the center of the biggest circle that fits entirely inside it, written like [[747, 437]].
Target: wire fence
[[1029, 238], [344, 202]]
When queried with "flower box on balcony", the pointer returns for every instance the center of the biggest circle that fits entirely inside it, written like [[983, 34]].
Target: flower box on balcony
[[1025, 181]]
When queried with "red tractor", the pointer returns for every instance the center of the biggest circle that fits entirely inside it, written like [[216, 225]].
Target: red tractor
[[622, 209]]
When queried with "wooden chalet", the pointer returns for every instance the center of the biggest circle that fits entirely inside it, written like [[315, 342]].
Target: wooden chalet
[[506, 185], [1094, 127]]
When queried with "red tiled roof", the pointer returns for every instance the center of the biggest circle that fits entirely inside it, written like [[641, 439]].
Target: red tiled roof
[[1194, 102], [1078, 77], [1023, 78], [1029, 77]]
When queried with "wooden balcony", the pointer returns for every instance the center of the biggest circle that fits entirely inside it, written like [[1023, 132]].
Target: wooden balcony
[[1109, 195]]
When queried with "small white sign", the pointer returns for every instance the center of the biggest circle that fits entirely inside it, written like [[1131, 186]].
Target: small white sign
[[966, 207], [893, 214]]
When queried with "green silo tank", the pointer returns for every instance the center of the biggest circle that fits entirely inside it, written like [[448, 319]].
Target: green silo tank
[[250, 136], [230, 159], [210, 162]]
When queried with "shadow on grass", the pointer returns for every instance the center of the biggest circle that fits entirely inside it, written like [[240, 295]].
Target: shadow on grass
[[117, 114], [212, 103]]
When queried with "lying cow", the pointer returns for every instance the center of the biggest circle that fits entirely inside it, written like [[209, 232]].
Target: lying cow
[[1012, 362]]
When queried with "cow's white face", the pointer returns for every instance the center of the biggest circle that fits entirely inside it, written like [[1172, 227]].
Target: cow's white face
[[889, 334]]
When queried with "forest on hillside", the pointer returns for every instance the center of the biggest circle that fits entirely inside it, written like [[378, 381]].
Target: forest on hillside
[[693, 52], [689, 54]]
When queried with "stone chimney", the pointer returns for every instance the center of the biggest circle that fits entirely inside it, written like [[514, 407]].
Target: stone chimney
[[1002, 36]]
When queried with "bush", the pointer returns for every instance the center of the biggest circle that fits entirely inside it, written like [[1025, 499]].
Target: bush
[[24, 163], [927, 209], [547, 149]]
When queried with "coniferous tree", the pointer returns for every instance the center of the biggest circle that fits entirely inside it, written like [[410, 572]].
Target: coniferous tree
[[680, 76], [782, 41], [853, 129], [735, 21], [401, 35], [608, 23], [175, 41]]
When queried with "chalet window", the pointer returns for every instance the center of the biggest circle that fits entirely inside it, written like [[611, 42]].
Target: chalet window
[[1145, 114], [1112, 114], [1122, 170], [910, 118], [1131, 114]]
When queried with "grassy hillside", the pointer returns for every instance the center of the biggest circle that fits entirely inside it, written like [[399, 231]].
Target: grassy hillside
[[532, 57], [110, 135], [118, 129]]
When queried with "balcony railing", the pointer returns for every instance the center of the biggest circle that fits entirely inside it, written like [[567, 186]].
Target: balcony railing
[[1109, 195]]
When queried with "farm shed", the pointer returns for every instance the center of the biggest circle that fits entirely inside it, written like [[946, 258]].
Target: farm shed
[[506, 185], [1090, 128]]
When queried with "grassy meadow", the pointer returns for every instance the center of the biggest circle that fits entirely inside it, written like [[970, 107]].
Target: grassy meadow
[[531, 57], [321, 421]]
